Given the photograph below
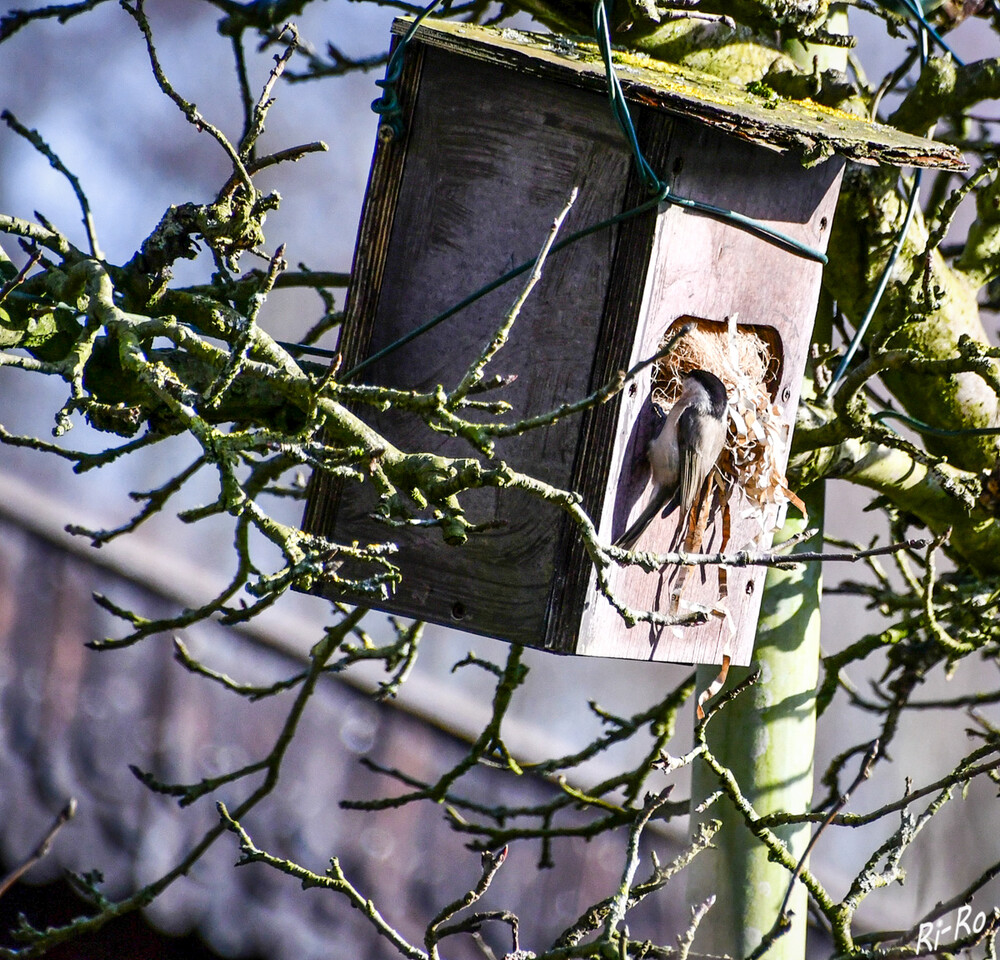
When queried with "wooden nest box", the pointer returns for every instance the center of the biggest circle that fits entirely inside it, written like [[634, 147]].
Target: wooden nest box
[[500, 126]]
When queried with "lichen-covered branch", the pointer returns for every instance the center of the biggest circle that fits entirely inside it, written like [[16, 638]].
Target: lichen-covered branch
[[144, 358]]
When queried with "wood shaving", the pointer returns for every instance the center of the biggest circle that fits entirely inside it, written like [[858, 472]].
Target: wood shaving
[[757, 437]]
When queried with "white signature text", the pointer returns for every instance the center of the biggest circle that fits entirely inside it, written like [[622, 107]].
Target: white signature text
[[930, 934]]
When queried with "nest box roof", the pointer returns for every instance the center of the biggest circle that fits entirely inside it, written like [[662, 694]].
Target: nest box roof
[[780, 123]]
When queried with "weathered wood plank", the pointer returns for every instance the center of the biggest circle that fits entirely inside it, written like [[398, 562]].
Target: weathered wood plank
[[599, 426], [711, 270], [492, 157], [783, 124], [374, 231]]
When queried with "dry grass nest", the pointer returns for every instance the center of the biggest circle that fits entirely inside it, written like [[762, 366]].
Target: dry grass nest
[[756, 442]]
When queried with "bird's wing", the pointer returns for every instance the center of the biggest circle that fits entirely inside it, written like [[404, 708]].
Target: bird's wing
[[665, 500], [700, 440]]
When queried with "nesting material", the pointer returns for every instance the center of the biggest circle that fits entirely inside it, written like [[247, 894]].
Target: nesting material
[[753, 482]]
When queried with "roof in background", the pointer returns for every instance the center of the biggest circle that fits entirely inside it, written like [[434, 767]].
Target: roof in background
[[75, 719]]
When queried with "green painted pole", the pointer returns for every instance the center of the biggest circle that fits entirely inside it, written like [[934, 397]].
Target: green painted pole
[[766, 737]]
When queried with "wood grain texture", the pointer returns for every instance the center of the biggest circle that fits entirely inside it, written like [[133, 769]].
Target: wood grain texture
[[782, 124], [599, 426], [711, 270], [370, 249], [491, 158]]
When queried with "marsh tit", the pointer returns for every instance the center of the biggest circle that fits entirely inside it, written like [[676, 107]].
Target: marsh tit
[[685, 450]]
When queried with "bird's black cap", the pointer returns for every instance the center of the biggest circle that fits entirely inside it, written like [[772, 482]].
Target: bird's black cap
[[714, 387]]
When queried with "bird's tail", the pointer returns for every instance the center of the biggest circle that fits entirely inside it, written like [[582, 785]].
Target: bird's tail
[[667, 502]]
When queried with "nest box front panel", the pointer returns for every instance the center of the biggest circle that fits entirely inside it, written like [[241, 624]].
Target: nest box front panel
[[720, 279], [500, 126], [490, 157]]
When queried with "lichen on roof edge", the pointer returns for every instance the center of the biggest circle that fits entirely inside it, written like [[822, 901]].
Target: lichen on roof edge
[[781, 124]]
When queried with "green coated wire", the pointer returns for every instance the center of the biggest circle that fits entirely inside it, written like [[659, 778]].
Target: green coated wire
[[616, 96], [621, 112], [911, 208], [922, 427], [750, 225], [387, 107], [499, 282], [883, 282], [914, 7]]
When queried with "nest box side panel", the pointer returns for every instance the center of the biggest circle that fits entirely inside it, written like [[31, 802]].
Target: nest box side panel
[[491, 158], [599, 425], [707, 269], [374, 232]]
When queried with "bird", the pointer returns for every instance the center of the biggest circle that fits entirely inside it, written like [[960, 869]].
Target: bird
[[684, 451]]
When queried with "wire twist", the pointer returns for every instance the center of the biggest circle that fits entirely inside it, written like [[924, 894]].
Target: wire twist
[[387, 106]]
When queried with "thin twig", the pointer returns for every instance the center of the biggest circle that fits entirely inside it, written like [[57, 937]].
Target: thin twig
[[189, 110], [685, 941], [62, 818], [35, 139], [256, 123], [474, 374], [945, 216], [614, 386], [334, 879], [436, 929], [11, 22], [620, 900], [863, 774], [11, 285], [746, 558]]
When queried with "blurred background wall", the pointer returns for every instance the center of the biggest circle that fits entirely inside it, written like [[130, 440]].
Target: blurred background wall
[[73, 719]]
